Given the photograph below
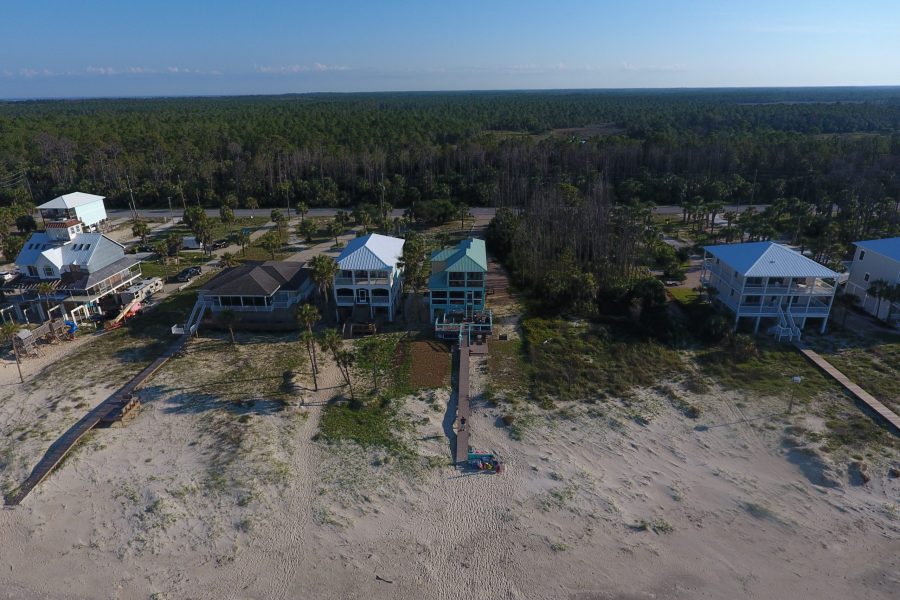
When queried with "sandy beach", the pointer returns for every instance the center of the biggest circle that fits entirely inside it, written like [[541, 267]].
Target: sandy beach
[[192, 501]]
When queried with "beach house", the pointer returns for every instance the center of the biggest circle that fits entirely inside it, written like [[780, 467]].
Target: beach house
[[456, 289], [89, 209], [370, 279], [874, 261], [67, 269], [771, 284]]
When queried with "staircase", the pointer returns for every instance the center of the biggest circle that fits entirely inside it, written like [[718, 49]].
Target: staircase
[[193, 320], [786, 327]]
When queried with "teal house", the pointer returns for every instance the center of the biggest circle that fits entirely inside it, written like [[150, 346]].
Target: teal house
[[457, 287]]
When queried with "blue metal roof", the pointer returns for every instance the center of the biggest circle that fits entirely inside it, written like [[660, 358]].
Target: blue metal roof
[[889, 247], [372, 252], [768, 259]]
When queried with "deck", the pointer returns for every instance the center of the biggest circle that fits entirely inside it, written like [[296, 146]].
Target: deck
[[61, 447], [861, 394]]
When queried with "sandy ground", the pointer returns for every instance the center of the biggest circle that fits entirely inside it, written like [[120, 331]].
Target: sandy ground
[[193, 500]]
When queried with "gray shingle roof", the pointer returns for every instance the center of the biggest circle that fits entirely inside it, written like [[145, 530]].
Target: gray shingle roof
[[258, 279]]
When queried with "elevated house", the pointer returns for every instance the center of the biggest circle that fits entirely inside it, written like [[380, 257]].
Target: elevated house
[[456, 289], [81, 268], [370, 279], [876, 260], [262, 295], [769, 283], [86, 208]]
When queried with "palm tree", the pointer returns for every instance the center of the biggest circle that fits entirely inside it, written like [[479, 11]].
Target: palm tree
[[140, 229], [251, 203], [335, 228], [302, 209], [45, 288], [242, 238], [8, 331], [307, 316], [228, 260], [227, 318], [881, 290], [270, 242], [162, 250], [307, 229], [365, 219], [330, 341], [892, 296], [323, 270]]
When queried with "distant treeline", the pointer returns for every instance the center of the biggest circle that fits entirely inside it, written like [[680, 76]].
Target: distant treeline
[[819, 145]]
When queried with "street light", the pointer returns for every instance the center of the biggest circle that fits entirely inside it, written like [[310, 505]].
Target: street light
[[798, 380]]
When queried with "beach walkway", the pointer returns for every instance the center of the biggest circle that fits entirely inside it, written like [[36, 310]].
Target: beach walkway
[[463, 394], [58, 449], [861, 394]]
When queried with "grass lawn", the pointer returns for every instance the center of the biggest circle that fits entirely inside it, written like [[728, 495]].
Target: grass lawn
[[153, 268], [683, 295]]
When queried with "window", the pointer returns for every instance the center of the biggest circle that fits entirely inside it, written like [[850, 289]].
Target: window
[[48, 271], [32, 271], [866, 278], [862, 254], [87, 247]]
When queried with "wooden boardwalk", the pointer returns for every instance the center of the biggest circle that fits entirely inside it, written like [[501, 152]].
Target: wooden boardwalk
[[58, 449], [463, 410], [861, 394]]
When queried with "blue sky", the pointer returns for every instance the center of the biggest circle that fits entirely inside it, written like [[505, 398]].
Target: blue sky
[[74, 48]]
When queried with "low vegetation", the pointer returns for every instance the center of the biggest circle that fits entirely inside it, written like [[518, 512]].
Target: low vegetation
[[582, 361]]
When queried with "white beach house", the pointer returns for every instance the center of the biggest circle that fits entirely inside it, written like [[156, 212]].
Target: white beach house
[[87, 208], [770, 284], [875, 260], [370, 279]]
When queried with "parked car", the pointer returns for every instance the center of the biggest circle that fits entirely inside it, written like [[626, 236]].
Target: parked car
[[219, 244], [8, 275], [187, 274]]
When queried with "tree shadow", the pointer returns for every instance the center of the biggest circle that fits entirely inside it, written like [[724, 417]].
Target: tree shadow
[[195, 403]]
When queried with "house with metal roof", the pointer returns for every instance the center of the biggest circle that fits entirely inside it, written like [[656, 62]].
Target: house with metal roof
[[765, 282], [456, 287], [876, 260], [87, 208], [370, 279], [81, 268], [262, 294]]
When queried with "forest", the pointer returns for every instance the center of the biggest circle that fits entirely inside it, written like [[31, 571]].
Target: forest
[[582, 169]]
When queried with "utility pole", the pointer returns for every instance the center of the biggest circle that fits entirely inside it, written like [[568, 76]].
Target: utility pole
[[170, 204], [134, 212], [181, 189]]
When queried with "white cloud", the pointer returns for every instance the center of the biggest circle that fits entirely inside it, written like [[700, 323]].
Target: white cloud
[[295, 69], [101, 70]]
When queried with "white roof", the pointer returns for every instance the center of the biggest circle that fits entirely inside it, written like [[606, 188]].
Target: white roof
[[72, 200], [371, 252], [768, 259], [81, 250]]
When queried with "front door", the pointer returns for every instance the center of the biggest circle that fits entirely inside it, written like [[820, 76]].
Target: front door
[[362, 296]]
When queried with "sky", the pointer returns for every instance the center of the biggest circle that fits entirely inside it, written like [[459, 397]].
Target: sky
[[90, 48]]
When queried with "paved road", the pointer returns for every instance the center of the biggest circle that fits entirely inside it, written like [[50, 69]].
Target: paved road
[[479, 212], [117, 213]]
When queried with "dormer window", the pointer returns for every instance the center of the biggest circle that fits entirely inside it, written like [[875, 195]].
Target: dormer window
[[87, 247]]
